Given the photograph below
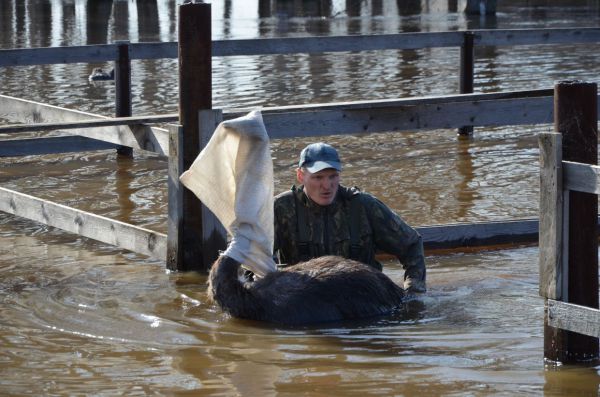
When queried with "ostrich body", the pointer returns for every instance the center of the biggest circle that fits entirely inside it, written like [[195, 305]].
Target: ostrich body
[[328, 288]]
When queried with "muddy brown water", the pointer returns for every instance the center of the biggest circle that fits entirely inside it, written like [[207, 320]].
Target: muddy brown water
[[82, 318]]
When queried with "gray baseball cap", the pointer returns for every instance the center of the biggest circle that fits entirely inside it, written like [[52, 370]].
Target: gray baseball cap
[[319, 156]]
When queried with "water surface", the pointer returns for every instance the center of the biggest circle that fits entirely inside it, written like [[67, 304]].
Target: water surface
[[79, 317]]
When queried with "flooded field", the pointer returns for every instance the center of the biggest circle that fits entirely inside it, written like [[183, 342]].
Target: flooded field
[[82, 318]]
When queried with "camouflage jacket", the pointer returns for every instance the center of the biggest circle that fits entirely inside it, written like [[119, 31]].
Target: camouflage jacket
[[355, 226]]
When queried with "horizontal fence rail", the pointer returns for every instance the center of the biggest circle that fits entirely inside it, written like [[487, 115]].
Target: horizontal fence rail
[[51, 145], [507, 108], [581, 177], [137, 136], [89, 123], [151, 243], [85, 224], [576, 318], [308, 45]]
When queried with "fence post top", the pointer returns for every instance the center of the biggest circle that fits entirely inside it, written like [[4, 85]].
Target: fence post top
[[574, 83]]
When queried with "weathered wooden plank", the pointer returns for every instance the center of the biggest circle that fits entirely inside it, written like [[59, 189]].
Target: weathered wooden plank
[[581, 177], [175, 194], [50, 55], [311, 120], [310, 45], [271, 46], [135, 136], [95, 121], [499, 37], [575, 318], [50, 145], [100, 122], [233, 113], [156, 50], [479, 233], [409, 117], [315, 120], [120, 234], [307, 45], [551, 259], [397, 102]]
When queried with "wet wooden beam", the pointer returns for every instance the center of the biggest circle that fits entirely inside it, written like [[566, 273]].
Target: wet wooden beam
[[13, 108], [96, 227], [581, 177], [575, 318], [311, 45], [551, 261], [478, 234], [398, 41], [89, 123], [53, 55], [136, 136], [510, 37], [409, 117], [51, 145], [272, 46]]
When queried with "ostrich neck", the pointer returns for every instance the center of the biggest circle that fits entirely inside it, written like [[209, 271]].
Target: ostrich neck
[[229, 291]]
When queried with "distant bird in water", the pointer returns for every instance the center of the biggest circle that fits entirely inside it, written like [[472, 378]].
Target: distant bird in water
[[98, 74], [324, 289]]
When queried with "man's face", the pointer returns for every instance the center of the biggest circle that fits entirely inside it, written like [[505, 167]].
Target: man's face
[[321, 186]]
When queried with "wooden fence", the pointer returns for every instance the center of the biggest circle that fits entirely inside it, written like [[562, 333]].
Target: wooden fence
[[568, 242], [206, 235]]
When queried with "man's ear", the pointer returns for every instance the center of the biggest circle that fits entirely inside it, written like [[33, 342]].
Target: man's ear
[[300, 175]]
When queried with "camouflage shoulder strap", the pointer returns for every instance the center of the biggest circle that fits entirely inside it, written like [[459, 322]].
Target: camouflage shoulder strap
[[355, 207], [304, 242], [356, 210]]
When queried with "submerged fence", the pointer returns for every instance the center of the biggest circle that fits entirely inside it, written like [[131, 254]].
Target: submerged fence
[[194, 236], [569, 183]]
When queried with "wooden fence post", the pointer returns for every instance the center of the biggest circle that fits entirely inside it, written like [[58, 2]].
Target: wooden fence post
[[187, 244], [123, 88], [214, 235], [576, 117], [211, 237], [467, 71], [551, 224]]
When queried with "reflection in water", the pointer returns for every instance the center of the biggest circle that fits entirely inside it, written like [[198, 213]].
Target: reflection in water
[[571, 381], [464, 168], [98, 14], [148, 20], [121, 19], [79, 316], [123, 180], [409, 7]]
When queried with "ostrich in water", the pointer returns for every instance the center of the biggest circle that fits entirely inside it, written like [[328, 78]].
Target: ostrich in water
[[328, 288]]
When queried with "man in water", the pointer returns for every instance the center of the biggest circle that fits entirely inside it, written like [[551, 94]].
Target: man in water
[[322, 217]]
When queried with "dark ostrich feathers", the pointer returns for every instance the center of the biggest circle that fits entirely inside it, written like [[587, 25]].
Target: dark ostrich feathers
[[323, 289]]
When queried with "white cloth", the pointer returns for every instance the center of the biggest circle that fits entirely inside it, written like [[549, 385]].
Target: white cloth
[[233, 177]]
